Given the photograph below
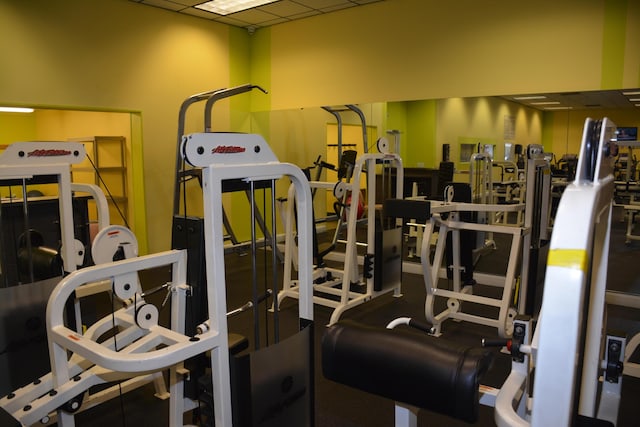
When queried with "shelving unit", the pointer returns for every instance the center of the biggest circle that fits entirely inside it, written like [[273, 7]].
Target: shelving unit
[[106, 168]]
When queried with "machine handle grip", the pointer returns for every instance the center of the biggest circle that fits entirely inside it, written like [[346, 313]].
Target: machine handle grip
[[422, 326], [496, 342]]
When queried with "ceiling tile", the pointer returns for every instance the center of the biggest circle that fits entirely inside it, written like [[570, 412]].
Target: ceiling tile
[[165, 4], [189, 2], [262, 16], [200, 13], [285, 8], [253, 16], [337, 7], [305, 15], [321, 4]]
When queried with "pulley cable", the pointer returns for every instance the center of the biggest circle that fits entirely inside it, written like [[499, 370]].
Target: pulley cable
[[106, 189]]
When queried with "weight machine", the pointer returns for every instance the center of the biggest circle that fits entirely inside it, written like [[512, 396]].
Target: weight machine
[[564, 372], [131, 344], [455, 225], [38, 163], [184, 173], [337, 288]]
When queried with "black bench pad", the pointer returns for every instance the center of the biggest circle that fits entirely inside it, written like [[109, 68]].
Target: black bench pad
[[417, 369]]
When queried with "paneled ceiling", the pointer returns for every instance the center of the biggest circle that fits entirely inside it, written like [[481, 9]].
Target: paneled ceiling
[[261, 16]]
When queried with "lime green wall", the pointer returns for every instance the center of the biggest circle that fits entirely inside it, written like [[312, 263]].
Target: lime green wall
[[613, 43], [421, 148]]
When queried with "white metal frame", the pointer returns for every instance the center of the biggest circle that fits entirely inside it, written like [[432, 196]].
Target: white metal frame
[[222, 156], [460, 292], [574, 298], [446, 219], [25, 160], [341, 286], [576, 268]]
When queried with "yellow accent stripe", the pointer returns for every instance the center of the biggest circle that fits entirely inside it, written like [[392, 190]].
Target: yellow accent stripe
[[568, 258]]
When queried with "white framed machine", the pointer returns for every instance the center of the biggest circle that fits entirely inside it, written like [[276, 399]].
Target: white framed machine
[[131, 345], [566, 370], [345, 287]]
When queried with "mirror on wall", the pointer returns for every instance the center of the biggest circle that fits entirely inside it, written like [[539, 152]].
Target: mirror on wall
[[421, 128]]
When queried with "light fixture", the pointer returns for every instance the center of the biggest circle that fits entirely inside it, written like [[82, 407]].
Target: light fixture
[[558, 108], [226, 7], [634, 99], [635, 92], [545, 103], [15, 110], [529, 97]]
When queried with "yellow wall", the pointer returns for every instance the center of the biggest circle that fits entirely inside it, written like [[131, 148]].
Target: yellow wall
[[430, 49], [117, 55], [473, 120], [17, 127]]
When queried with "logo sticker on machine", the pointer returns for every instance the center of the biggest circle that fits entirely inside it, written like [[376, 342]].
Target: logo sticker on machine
[[48, 153], [228, 149]]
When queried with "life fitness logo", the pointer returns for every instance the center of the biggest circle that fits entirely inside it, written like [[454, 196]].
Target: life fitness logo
[[48, 153], [228, 149]]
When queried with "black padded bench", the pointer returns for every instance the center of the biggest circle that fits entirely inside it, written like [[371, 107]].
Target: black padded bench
[[417, 369]]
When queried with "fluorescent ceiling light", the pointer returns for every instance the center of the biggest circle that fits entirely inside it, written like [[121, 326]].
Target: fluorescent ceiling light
[[226, 7], [634, 99], [635, 92], [558, 108], [545, 103], [524, 98], [15, 110]]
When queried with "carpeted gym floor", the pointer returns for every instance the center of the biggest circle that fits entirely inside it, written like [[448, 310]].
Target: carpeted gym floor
[[340, 406]]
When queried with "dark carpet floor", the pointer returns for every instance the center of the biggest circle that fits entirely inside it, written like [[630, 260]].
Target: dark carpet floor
[[340, 406]]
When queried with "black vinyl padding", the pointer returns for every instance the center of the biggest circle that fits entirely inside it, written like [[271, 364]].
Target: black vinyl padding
[[582, 421], [417, 369], [6, 420]]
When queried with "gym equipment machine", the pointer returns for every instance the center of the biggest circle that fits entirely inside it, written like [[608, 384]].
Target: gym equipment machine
[[382, 263], [131, 343], [556, 368], [451, 220]]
